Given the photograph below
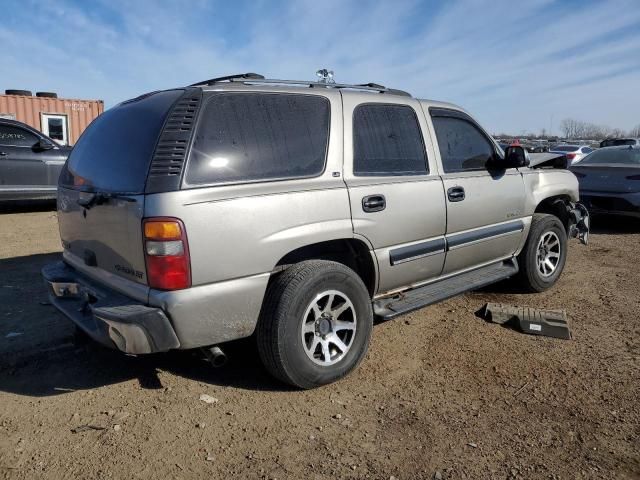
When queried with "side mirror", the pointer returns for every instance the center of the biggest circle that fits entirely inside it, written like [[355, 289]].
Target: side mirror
[[515, 156], [43, 145]]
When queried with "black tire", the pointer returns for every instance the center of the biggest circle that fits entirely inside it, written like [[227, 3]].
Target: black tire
[[279, 331], [531, 277], [46, 94], [24, 93]]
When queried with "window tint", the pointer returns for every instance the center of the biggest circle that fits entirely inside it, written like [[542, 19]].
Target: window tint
[[587, 150], [387, 141], [462, 145], [248, 137], [114, 152], [612, 142], [16, 136]]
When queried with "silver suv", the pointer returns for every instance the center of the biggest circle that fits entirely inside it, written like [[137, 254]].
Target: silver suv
[[296, 212]]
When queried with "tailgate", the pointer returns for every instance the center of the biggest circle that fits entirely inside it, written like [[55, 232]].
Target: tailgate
[[107, 236]]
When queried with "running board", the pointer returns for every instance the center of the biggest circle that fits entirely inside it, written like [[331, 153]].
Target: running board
[[410, 300]]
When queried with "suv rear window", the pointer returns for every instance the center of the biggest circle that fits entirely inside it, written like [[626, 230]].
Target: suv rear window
[[251, 137], [114, 152], [615, 142]]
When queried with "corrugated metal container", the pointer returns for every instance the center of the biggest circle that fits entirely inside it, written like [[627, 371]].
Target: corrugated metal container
[[63, 119]]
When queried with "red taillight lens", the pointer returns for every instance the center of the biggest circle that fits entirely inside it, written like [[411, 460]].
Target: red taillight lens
[[571, 156], [633, 177], [167, 253]]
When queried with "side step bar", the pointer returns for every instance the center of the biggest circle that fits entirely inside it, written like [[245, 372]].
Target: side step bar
[[408, 301]]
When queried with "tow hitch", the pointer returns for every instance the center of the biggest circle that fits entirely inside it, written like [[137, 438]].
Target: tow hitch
[[579, 228]]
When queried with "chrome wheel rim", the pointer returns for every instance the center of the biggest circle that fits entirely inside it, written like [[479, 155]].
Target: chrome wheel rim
[[548, 254], [328, 327]]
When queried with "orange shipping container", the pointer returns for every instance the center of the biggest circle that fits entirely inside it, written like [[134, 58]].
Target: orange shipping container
[[63, 119]]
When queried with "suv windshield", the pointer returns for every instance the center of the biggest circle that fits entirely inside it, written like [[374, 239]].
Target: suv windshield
[[616, 155], [114, 152]]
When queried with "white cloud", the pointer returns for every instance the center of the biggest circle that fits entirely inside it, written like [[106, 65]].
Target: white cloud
[[513, 66]]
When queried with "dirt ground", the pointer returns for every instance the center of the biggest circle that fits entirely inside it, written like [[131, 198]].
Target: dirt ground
[[442, 393]]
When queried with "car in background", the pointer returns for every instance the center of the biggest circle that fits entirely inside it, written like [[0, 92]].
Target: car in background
[[618, 142], [30, 163], [609, 180], [574, 153]]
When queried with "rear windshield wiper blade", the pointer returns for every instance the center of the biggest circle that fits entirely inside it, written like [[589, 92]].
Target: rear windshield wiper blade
[[89, 199]]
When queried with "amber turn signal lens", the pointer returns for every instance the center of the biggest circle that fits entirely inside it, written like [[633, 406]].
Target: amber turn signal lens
[[160, 230]]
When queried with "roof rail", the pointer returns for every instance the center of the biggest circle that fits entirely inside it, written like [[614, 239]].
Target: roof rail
[[371, 87], [228, 78], [255, 78]]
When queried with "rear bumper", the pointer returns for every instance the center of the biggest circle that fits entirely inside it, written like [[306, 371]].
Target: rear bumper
[[614, 203], [108, 317]]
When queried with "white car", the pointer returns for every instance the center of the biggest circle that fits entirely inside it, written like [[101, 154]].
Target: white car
[[574, 153]]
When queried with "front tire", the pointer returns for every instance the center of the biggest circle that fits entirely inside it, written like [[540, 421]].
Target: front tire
[[544, 254], [315, 323]]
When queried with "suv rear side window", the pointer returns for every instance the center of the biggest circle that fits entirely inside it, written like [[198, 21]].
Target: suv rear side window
[[387, 141], [251, 137], [16, 136], [462, 146], [114, 152]]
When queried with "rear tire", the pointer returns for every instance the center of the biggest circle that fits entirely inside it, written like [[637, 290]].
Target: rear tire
[[315, 323], [544, 254]]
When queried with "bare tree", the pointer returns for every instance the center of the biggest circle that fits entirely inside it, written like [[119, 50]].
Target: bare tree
[[635, 131]]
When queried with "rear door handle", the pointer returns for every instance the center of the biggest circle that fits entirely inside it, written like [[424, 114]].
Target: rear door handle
[[374, 203], [455, 194]]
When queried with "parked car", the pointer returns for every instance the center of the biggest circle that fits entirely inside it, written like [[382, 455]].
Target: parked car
[[574, 153], [30, 162], [610, 180], [616, 142], [296, 211]]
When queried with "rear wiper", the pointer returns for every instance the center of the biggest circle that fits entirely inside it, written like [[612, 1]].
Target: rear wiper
[[89, 199]]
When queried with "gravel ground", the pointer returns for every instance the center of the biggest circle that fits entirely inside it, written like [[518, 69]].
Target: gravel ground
[[442, 393]]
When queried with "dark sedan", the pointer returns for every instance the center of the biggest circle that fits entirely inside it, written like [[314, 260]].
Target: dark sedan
[[30, 162], [610, 180]]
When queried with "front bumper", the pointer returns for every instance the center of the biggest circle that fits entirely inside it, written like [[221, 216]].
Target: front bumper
[[108, 317], [579, 222]]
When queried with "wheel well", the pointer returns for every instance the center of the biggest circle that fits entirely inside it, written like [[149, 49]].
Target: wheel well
[[558, 206], [353, 253]]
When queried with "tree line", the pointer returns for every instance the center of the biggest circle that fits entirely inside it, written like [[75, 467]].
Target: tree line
[[578, 129]]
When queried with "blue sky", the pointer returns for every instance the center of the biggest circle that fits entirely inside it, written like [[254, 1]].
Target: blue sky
[[516, 65]]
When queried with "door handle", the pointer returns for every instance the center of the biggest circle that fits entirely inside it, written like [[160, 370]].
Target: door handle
[[374, 203], [455, 194], [3, 154]]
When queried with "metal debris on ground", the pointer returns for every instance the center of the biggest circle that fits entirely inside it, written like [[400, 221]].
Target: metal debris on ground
[[550, 323]]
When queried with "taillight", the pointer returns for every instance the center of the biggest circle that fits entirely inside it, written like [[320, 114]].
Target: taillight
[[167, 253], [571, 156], [633, 177]]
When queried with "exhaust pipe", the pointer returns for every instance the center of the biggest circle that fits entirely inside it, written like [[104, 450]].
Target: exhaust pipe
[[215, 356]]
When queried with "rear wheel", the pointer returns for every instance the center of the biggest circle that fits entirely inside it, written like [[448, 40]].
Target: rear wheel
[[315, 324], [543, 257]]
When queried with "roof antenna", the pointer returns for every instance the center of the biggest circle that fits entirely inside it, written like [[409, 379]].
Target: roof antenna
[[325, 76]]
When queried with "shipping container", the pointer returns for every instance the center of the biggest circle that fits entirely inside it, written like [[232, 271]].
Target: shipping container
[[62, 119]]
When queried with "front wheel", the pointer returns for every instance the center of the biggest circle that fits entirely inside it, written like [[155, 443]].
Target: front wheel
[[315, 323], [544, 254]]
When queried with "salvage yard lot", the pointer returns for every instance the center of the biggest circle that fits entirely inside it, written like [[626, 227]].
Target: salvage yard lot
[[440, 391]]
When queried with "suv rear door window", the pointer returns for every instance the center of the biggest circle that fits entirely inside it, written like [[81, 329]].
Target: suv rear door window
[[462, 145], [114, 152], [16, 136], [387, 141], [251, 137]]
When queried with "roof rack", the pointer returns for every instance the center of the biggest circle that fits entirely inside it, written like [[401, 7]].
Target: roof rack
[[228, 78], [254, 78]]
